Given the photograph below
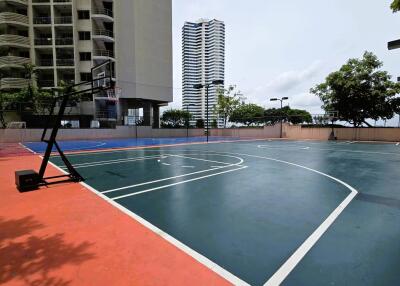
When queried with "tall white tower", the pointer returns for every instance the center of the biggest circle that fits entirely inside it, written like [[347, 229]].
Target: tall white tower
[[203, 56]]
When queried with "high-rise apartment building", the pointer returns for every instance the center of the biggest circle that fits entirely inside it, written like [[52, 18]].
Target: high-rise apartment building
[[64, 39], [203, 56]]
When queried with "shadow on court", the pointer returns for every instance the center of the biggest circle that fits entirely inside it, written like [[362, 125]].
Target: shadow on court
[[31, 258], [380, 200]]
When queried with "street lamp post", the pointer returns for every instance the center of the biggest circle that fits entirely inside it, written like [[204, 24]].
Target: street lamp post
[[207, 86], [281, 100]]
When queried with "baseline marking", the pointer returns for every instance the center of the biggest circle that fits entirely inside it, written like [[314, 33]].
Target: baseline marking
[[177, 183], [280, 275], [192, 253], [116, 161]]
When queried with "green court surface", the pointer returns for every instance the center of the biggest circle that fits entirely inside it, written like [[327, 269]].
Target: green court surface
[[264, 212]]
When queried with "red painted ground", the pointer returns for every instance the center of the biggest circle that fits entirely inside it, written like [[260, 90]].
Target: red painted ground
[[66, 235]]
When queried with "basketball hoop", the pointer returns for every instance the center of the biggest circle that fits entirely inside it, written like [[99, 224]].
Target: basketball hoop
[[114, 93]]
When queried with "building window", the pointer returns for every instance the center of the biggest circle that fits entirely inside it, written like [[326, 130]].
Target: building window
[[86, 76], [84, 35], [83, 14], [85, 56]]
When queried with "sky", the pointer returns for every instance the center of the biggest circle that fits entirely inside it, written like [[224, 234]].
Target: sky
[[284, 48]]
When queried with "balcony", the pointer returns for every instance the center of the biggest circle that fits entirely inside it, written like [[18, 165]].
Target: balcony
[[103, 14], [13, 83], [104, 35], [103, 54], [43, 41], [43, 83], [14, 41], [65, 62], [64, 41], [42, 20], [63, 20], [20, 2], [45, 63], [13, 61], [13, 18]]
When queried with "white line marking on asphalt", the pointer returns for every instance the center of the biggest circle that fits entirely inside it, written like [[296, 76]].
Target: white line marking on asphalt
[[177, 183]]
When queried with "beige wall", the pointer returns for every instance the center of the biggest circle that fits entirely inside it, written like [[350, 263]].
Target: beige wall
[[143, 36], [31, 135], [260, 133], [353, 134]]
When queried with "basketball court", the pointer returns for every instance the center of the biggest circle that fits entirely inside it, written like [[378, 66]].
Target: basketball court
[[257, 212]]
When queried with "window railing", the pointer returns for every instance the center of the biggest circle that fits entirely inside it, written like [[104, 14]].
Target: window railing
[[64, 41], [103, 53], [103, 11], [45, 63], [45, 82], [103, 32], [65, 62], [43, 41], [63, 20], [42, 20]]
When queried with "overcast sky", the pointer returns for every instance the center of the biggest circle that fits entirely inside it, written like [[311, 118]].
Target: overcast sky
[[283, 48]]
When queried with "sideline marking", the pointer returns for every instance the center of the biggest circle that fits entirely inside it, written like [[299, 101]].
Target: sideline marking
[[199, 159], [280, 275], [177, 183], [166, 164], [188, 167], [192, 253]]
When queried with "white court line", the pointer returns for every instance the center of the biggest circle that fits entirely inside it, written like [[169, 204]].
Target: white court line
[[188, 167], [166, 179], [117, 160], [298, 255], [177, 183], [398, 144], [112, 162], [155, 147], [183, 175], [27, 148], [331, 149], [192, 253], [199, 159], [166, 164]]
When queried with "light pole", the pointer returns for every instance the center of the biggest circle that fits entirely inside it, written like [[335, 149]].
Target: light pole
[[207, 86], [281, 100]]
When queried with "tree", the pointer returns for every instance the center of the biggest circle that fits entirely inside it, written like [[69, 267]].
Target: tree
[[395, 6], [360, 91], [248, 114], [175, 118], [200, 123], [228, 100], [298, 116]]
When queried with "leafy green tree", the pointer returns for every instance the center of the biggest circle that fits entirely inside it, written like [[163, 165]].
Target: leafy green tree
[[360, 91], [248, 114], [395, 6], [214, 123], [200, 123], [228, 100], [175, 118], [298, 116]]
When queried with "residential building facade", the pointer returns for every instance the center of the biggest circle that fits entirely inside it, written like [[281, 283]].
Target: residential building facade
[[203, 61], [64, 39]]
